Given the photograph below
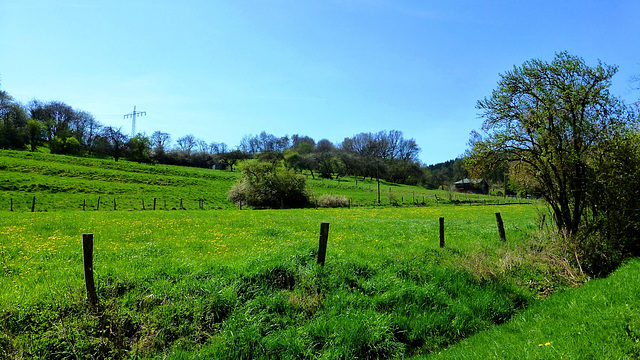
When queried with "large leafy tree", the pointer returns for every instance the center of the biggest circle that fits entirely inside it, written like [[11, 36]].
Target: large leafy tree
[[550, 117]]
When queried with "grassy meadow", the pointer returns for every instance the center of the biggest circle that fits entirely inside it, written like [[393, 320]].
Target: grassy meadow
[[225, 283]]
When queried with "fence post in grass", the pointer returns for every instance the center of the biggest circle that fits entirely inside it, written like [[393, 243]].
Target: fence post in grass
[[33, 205], [154, 204], [143, 205], [114, 204], [500, 227], [87, 257], [442, 232], [322, 247], [181, 207], [11, 204], [84, 204], [349, 204], [98, 207]]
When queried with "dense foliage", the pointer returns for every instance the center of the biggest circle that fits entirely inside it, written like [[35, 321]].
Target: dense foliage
[[265, 184], [557, 127]]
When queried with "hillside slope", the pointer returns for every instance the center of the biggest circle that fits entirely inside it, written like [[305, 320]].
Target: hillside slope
[[70, 183]]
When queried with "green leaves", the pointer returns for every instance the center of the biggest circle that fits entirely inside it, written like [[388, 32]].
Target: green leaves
[[548, 117]]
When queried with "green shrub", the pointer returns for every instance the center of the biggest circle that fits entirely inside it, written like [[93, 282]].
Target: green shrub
[[264, 184]]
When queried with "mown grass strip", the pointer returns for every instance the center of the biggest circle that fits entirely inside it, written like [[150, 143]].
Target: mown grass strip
[[601, 320]]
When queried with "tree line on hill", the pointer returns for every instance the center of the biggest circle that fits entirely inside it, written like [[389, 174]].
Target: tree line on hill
[[65, 130]]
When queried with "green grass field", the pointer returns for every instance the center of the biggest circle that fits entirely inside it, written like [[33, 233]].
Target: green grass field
[[244, 284]]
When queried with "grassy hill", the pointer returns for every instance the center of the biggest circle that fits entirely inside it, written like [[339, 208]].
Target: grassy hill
[[70, 183]]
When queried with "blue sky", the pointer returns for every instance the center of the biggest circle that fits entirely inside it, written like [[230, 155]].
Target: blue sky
[[327, 69]]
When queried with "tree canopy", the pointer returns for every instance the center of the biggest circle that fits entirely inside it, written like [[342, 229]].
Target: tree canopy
[[547, 118]]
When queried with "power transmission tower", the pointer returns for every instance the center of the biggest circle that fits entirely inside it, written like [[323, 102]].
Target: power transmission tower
[[133, 116]]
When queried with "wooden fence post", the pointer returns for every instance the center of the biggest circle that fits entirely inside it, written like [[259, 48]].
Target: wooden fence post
[[181, 207], [322, 247], [442, 232], [98, 208], [114, 204], [87, 257], [500, 227], [11, 204], [33, 205], [154, 204], [84, 204], [143, 205]]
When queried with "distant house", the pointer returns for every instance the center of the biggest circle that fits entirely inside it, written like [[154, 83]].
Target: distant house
[[473, 186], [219, 166]]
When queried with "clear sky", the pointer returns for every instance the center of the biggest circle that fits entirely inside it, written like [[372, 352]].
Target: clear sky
[[328, 69]]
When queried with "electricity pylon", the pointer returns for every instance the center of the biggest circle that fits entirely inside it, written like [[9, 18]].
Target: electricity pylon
[[133, 116]]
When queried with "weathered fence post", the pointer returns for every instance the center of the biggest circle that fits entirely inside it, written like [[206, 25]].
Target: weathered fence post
[[84, 204], [87, 257], [500, 227], [11, 204], [114, 204], [143, 205], [154, 204], [181, 207], [98, 207], [33, 205], [322, 247], [442, 232]]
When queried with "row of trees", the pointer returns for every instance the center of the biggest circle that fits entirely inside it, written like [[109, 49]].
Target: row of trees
[[556, 128], [65, 130]]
